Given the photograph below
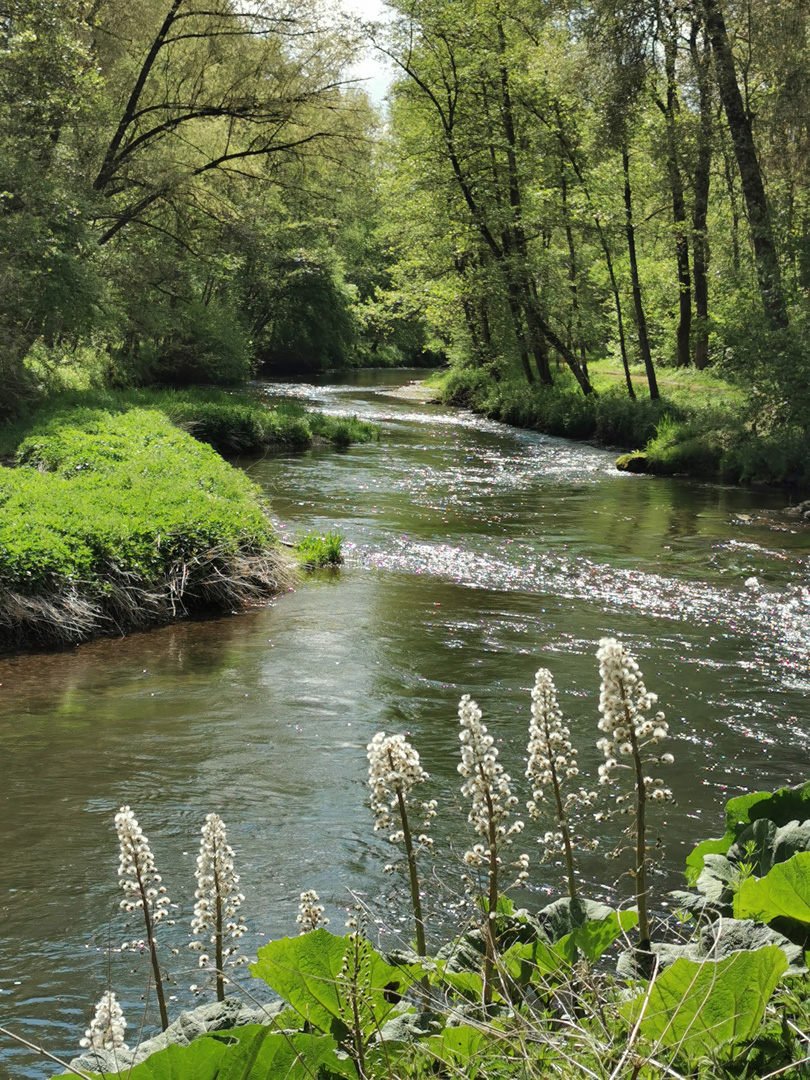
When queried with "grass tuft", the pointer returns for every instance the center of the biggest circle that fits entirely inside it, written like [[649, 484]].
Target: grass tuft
[[315, 550]]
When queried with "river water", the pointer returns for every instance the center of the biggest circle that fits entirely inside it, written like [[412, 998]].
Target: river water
[[475, 553]]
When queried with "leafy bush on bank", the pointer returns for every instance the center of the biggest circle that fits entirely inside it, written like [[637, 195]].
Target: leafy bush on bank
[[233, 423], [685, 433], [114, 521], [610, 418]]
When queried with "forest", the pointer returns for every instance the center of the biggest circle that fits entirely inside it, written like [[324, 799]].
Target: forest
[[194, 193]]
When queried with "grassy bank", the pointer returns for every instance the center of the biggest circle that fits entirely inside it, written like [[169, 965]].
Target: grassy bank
[[232, 423], [117, 521], [700, 427]]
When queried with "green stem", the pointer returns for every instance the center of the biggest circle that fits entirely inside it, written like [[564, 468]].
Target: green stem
[[421, 948], [492, 901], [641, 847], [218, 960], [563, 823], [150, 937]]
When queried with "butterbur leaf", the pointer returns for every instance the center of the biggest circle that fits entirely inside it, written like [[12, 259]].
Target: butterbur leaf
[[698, 1009], [782, 806], [467, 983], [536, 962], [564, 916], [255, 1052], [594, 938], [784, 892], [304, 972], [456, 1048]]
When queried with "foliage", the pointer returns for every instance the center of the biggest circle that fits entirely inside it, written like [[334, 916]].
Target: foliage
[[232, 423], [707, 1010], [315, 550], [726, 1003], [124, 517]]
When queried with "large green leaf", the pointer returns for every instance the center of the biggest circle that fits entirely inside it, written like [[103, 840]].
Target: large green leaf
[[782, 806], [304, 972], [455, 1049], [595, 937], [535, 962], [785, 892], [709, 1007], [254, 1052], [564, 916]]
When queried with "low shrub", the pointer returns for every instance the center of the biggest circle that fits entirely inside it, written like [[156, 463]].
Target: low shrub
[[232, 423]]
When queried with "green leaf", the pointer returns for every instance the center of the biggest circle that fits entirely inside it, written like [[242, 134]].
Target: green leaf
[[456, 1049], [467, 983], [594, 938], [782, 806], [254, 1052], [536, 961], [785, 891], [564, 916], [304, 972], [709, 1008]]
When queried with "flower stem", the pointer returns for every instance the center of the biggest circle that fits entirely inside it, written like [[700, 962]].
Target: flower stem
[[150, 937], [421, 947], [492, 902], [218, 943], [566, 833], [641, 846]]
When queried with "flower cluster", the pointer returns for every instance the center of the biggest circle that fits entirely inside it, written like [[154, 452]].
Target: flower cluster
[[486, 785], [394, 769], [217, 894], [310, 912], [552, 758], [137, 874], [106, 1031], [625, 703]]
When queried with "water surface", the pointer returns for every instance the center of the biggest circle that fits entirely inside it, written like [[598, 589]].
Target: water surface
[[474, 554]]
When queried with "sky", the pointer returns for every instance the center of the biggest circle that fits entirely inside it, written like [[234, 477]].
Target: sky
[[372, 69]]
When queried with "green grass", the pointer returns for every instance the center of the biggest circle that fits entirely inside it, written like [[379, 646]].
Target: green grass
[[232, 423], [702, 426], [118, 519], [315, 550]]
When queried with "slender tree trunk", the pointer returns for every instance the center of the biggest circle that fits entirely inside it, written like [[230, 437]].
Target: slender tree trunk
[[516, 311], [767, 262], [641, 318], [670, 109], [577, 336], [735, 213], [702, 180]]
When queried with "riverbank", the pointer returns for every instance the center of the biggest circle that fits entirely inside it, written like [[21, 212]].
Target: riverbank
[[117, 516], [231, 423], [700, 427], [118, 522]]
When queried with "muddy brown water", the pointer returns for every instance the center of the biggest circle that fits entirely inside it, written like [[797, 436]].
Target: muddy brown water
[[474, 554]]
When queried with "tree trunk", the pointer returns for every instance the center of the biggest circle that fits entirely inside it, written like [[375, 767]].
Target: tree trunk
[[769, 276], [576, 334], [641, 318], [670, 109], [702, 180]]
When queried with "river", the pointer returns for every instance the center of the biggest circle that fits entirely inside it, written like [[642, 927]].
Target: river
[[475, 553]]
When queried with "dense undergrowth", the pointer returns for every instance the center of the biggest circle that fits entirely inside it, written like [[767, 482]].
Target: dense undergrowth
[[233, 423], [699, 427], [117, 521]]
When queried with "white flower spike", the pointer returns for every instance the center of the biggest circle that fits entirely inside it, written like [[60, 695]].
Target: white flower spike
[[106, 1031]]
